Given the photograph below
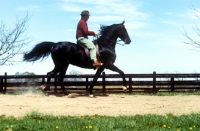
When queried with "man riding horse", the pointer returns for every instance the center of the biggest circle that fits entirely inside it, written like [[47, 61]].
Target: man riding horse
[[82, 34], [64, 53]]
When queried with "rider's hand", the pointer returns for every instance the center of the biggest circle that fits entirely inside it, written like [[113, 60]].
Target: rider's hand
[[95, 33]]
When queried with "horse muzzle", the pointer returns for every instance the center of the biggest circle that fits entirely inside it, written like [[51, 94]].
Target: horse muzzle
[[127, 41]]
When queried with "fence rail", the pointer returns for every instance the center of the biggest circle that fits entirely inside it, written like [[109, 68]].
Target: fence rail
[[110, 82]]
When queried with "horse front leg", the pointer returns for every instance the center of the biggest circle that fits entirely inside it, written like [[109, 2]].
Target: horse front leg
[[96, 76], [116, 69]]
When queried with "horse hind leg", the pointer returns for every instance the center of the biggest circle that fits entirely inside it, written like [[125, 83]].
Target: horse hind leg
[[49, 76], [61, 77], [52, 73]]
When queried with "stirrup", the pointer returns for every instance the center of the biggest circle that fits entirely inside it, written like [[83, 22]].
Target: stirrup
[[101, 64], [98, 66]]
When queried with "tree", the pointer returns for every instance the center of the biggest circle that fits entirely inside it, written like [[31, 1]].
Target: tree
[[12, 40], [191, 40], [75, 72], [30, 80]]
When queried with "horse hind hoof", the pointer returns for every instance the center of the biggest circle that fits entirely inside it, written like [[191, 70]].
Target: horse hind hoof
[[72, 95], [124, 88], [91, 96], [43, 88]]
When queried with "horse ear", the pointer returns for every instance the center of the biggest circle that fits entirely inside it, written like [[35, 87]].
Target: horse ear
[[123, 22]]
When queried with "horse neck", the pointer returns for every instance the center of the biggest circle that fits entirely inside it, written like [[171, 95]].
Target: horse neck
[[109, 40]]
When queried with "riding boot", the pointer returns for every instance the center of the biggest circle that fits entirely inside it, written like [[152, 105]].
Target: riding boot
[[97, 63]]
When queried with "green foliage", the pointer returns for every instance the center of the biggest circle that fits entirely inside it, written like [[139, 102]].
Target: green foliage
[[39, 122]]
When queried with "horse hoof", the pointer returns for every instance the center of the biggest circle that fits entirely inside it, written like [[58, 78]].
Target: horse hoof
[[72, 95], [91, 96], [43, 88], [124, 88]]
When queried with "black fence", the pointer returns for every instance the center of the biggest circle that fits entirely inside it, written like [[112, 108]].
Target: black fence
[[110, 83]]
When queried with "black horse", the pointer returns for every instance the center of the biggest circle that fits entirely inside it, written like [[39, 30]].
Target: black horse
[[65, 53]]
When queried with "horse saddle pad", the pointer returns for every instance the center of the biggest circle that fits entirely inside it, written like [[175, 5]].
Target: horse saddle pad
[[87, 52]]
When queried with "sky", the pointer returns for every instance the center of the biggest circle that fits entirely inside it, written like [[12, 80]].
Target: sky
[[155, 27]]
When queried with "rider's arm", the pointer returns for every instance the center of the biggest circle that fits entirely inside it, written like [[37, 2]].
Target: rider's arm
[[84, 28]]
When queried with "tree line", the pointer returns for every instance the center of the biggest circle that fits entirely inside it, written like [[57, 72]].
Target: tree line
[[32, 80]]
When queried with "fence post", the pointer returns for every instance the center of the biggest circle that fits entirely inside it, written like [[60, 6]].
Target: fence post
[[172, 84], [5, 85], [154, 82], [130, 85], [43, 80], [104, 82], [1, 85], [86, 82], [55, 82]]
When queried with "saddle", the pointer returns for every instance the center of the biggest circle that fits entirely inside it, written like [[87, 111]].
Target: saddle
[[87, 52]]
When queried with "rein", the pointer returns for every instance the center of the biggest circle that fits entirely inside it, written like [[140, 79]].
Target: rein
[[120, 43]]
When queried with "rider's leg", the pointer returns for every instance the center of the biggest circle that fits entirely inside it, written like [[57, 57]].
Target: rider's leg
[[88, 44]]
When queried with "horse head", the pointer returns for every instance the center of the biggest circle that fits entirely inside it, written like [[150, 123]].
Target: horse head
[[123, 34], [111, 33]]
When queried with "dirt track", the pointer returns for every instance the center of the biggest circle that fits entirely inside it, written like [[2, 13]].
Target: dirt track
[[19, 105]]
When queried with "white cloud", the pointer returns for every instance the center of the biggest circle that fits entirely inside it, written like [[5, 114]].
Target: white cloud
[[173, 23], [106, 18], [136, 25], [109, 12], [112, 8], [71, 7], [28, 8]]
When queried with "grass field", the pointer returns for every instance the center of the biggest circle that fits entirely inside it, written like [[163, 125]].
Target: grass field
[[35, 121]]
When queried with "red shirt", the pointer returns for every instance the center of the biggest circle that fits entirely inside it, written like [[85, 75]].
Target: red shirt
[[82, 29]]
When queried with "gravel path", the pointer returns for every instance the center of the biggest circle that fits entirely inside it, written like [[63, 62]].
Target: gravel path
[[20, 105]]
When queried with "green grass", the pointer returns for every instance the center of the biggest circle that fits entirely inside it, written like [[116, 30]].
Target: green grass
[[39, 122], [176, 93], [166, 93]]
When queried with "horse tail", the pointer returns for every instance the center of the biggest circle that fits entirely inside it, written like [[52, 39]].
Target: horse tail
[[41, 50]]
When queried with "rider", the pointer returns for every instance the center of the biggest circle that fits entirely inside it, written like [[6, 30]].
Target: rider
[[82, 34]]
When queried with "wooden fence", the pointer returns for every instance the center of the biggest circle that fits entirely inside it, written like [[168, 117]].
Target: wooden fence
[[110, 83]]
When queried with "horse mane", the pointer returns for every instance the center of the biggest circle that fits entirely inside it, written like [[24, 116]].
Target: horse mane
[[105, 30]]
